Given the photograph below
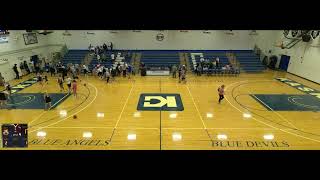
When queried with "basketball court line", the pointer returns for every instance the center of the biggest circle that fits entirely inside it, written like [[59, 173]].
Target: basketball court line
[[73, 113], [283, 130], [29, 123], [143, 128], [67, 108], [98, 128], [205, 127], [124, 106], [263, 117], [274, 111]]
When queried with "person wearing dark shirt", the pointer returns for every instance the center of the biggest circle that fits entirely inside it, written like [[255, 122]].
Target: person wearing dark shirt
[[221, 93], [15, 69], [3, 98], [26, 67], [111, 46], [22, 69], [37, 68], [52, 70], [64, 72], [105, 47], [47, 100], [2, 81]]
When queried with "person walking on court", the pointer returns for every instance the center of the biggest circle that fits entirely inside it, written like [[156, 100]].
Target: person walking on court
[[69, 84], [124, 70], [107, 75], [52, 69], [174, 71], [179, 72], [129, 69], [15, 69], [3, 98], [74, 88], [64, 72], [60, 82], [40, 80], [85, 70], [221, 93], [8, 88], [47, 101], [46, 79], [183, 75], [9, 92], [198, 69]]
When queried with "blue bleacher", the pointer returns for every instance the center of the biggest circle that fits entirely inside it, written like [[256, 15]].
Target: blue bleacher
[[74, 56], [154, 58], [249, 61]]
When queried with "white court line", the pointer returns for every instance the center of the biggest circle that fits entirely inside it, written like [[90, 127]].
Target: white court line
[[73, 113], [98, 128], [124, 106], [275, 112], [142, 128], [205, 127], [29, 123], [222, 128], [283, 130], [59, 100]]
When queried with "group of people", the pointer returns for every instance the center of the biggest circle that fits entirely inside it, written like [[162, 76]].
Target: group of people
[[182, 78], [105, 73], [208, 66], [24, 69], [72, 88], [182, 72], [100, 49], [67, 74]]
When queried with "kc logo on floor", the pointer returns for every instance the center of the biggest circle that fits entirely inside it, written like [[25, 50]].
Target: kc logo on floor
[[160, 102]]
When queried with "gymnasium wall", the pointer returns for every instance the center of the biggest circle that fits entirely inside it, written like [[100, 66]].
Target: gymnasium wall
[[16, 51], [146, 40], [305, 57]]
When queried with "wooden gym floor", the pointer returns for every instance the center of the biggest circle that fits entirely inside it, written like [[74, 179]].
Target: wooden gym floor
[[240, 122]]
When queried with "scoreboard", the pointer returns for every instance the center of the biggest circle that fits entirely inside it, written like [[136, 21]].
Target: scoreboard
[[14, 135]]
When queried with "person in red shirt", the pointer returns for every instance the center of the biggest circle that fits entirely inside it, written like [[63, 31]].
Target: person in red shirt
[[221, 93]]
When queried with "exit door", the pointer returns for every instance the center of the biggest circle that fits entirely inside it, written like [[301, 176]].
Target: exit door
[[284, 62]]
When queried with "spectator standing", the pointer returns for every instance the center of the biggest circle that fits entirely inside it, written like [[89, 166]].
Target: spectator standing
[[15, 69], [26, 67], [217, 62], [2, 81], [111, 46], [174, 71]]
